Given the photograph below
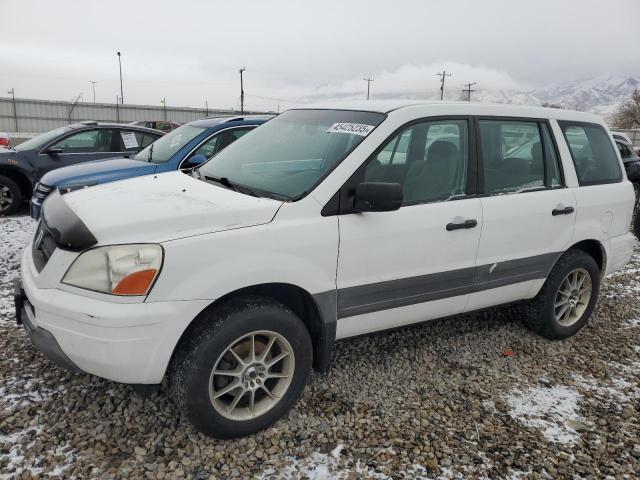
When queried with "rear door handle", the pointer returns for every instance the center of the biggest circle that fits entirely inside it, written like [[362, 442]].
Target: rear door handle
[[562, 211], [458, 226]]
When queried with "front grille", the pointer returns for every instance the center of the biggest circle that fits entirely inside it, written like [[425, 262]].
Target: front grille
[[42, 191], [43, 246]]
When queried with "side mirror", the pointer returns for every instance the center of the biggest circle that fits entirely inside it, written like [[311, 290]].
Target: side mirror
[[378, 197], [53, 151], [195, 161]]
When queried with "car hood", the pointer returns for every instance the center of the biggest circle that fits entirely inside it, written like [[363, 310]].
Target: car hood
[[97, 171], [164, 207]]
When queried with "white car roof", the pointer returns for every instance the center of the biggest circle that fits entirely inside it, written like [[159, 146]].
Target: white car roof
[[458, 108]]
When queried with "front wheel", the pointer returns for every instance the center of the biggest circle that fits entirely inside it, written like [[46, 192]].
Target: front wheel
[[10, 196], [242, 367], [567, 299]]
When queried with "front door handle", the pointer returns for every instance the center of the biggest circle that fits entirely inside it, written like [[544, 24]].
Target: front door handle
[[458, 226], [562, 211]]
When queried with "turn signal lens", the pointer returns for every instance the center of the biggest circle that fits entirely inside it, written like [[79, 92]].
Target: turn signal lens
[[137, 283]]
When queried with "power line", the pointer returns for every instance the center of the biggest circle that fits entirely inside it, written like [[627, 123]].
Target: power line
[[468, 90], [442, 76], [368, 80]]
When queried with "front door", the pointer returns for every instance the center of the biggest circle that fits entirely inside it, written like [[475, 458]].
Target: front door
[[416, 263], [82, 146]]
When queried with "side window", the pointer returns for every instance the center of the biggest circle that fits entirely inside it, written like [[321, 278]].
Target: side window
[[220, 141], [592, 153], [87, 141], [428, 159], [512, 156], [395, 152], [130, 141], [624, 150]]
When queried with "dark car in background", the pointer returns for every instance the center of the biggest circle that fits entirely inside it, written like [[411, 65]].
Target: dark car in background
[[186, 147], [23, 166], [162, 125]]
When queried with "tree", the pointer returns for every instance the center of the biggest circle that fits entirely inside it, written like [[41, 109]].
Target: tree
[[628, 114]]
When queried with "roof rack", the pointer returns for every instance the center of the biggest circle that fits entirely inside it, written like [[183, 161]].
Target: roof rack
[[89, 122]]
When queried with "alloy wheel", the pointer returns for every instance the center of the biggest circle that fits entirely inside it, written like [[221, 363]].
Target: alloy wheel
[[573, 297], [252, 375]]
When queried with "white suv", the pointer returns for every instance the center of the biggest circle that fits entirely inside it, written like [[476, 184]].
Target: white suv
[[320, 225]]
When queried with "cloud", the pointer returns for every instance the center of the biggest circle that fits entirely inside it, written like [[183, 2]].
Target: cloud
[[409, 81]]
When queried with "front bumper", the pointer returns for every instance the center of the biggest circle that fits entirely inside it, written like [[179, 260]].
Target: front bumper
[[40, 338], [123, 342]]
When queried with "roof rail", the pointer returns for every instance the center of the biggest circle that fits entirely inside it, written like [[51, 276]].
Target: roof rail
[[89, 122]]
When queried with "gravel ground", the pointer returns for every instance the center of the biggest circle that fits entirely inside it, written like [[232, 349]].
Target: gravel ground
[[477, 396]]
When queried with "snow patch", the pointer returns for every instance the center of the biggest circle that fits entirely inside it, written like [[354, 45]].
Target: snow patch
[[323, 466], [551, 410]]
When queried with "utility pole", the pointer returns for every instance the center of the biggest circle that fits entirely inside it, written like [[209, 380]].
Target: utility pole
[[164, 106], [15, 111], [93, 85], [368, 80], [468, 90], [241, 91], [206, 105], [117, 109], [442, 76], [120, 65]]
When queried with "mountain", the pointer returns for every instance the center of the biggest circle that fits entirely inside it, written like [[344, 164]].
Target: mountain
[[601, 95]]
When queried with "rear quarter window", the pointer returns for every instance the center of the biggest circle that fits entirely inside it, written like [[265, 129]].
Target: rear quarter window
[[592, 152]]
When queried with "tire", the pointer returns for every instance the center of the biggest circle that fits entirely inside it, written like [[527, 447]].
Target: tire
[[10, 196], [193, 385], [542, 315]]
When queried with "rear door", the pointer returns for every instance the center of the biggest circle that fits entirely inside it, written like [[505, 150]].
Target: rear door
[[416, 263], [528, 213], [79, 146]]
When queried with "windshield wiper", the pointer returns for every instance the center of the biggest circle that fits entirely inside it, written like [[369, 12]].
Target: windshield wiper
[[225, 182]]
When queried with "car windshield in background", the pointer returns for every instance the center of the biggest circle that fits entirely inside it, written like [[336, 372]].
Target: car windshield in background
[[165, 147], [287, 156], [42, 139]]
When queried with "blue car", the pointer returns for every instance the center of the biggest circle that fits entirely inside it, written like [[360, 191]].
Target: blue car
[[185, 147]]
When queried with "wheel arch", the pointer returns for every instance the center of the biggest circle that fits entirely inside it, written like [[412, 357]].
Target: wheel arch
[[596, 249], [317, 312]]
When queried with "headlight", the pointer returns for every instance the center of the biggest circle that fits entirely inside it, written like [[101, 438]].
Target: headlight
[[117, 269]]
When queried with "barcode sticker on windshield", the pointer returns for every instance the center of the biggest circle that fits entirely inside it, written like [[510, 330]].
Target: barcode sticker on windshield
[[352, 128]]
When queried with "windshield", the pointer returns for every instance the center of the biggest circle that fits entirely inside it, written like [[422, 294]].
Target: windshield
[[165, 147], [42, 139], [287, 156]]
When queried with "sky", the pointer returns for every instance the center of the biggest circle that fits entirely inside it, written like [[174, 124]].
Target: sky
[[294, 51]]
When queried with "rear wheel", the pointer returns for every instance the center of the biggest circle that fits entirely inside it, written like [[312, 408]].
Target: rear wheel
[[10, 196], [567, 299], [241, 367]]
